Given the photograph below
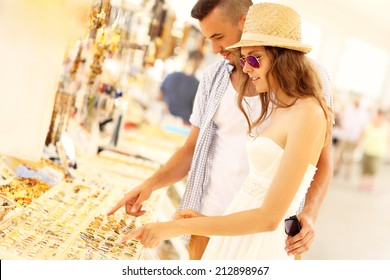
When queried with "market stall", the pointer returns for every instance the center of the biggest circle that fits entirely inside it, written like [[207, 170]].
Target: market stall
[[95, 142]]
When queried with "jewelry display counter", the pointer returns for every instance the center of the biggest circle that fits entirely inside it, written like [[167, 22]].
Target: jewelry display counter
[[69, 222], [66, 218]]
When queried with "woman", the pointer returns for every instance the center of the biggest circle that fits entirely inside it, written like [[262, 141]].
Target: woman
[[282, 157]]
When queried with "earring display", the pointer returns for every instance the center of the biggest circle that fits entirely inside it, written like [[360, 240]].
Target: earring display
[[67, 222], [101, 239], [24, 190]]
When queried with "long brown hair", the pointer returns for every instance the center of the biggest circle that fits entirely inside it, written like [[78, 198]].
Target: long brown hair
[[295, 75]]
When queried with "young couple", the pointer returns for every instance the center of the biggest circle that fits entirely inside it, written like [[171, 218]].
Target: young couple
[[241, 186]]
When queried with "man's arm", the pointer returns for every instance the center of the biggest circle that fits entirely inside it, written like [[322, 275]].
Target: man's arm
[[174, 170], [301, 242], [319, 187]]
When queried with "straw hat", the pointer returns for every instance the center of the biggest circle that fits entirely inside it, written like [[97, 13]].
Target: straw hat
[[271, 24]]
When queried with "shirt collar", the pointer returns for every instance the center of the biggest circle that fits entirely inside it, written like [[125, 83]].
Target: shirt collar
[[229, 67]]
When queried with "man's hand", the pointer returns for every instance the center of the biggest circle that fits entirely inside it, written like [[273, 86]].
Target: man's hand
[[301, 242], [133, 201]]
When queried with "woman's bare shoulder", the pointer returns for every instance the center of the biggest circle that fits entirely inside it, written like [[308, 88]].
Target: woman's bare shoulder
[[307, 107], [307, 117]]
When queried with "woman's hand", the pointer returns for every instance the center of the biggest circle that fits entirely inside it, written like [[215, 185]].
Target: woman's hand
[[187, 214], [150, 235]]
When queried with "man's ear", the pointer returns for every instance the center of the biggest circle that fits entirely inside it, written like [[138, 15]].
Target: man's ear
[[242, 22]]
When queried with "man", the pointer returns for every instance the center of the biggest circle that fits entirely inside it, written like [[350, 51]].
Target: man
[[214, 151], [179, 88]]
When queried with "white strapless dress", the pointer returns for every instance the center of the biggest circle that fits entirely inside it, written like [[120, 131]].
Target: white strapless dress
[[264, 159]]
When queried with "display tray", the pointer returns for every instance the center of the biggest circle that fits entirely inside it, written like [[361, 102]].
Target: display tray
[[132, 168], [69, 222], [24, 190], [101, 240], [45, 168]]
